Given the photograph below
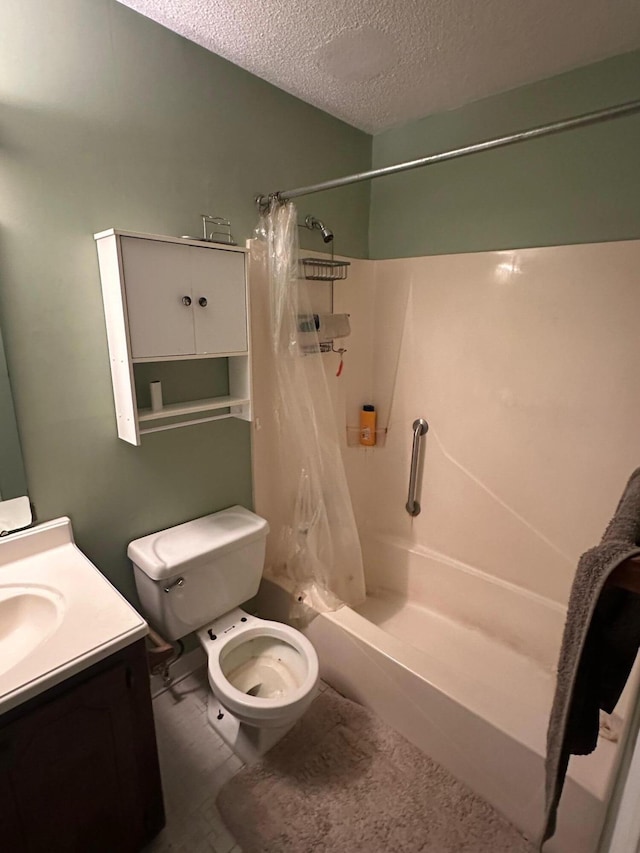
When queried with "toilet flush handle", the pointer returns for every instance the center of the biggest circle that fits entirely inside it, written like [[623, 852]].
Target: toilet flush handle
[[176, 582]]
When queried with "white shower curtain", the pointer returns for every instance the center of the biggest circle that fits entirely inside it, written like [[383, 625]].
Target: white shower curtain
[[317, 555]]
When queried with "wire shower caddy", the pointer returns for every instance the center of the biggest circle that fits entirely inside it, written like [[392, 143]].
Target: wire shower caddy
[[322, 269]]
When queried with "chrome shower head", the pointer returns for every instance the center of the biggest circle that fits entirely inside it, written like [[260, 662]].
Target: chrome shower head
[[316, 224]]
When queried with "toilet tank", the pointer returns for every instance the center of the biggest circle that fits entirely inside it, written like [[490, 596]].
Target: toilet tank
[[189, 575]]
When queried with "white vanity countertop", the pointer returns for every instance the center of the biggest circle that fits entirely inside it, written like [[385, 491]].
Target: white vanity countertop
[[58, 613]]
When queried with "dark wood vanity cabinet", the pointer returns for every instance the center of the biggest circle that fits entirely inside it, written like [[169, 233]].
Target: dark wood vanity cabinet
[[78, 764]]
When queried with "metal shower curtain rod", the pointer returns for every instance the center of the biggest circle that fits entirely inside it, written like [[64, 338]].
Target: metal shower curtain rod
[[584, 120]]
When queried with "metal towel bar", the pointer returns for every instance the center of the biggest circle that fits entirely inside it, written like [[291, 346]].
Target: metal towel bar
[[420, 428]]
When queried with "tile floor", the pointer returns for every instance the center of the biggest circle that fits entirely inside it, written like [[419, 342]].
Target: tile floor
[[195, 763]]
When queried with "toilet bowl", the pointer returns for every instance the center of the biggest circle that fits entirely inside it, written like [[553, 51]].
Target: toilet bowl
[[263, 675]]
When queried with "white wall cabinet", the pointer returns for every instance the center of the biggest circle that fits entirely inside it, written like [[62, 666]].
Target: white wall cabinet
[[168, 299], [183, 300]]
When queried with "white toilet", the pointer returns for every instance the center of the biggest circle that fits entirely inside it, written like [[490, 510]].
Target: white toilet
[[263, 674]]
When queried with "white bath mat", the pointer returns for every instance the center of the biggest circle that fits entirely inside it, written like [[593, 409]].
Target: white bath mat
[[342, 780]]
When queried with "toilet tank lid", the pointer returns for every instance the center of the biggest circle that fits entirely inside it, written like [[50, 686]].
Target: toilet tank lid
[[177, 549]]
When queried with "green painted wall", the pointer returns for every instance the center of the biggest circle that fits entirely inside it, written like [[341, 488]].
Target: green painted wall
[[110, 120], [578, 187], [13, 481]]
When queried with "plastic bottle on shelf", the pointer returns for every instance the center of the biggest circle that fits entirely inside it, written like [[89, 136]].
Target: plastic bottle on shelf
[[368, 425], [155, 389]]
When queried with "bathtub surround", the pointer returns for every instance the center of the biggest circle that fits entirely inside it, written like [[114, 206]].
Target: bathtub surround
[[343, 780], [501, 353], [599, 646]]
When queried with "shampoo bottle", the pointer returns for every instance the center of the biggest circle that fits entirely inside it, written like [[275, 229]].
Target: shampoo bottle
[[368, 426]]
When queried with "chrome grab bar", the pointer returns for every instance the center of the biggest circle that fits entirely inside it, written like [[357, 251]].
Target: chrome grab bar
[[420, 428]]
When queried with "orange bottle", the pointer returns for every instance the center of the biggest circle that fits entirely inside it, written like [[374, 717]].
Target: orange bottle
[[368, 426]]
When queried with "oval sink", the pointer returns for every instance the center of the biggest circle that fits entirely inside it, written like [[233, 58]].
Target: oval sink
[[28, 616]]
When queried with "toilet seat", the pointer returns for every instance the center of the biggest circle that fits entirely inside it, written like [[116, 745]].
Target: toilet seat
[[250, 656]]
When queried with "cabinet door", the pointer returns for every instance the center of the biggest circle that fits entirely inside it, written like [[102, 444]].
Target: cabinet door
[[157, 280], [219, 300], [68, 773]]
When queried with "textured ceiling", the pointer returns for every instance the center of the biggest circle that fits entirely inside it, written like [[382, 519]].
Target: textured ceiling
[[380, 63]]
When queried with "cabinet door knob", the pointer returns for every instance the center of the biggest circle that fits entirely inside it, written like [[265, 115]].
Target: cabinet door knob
[[202, 302], [186, 300]]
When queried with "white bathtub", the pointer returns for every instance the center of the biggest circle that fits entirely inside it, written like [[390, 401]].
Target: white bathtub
[[468, 679]]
